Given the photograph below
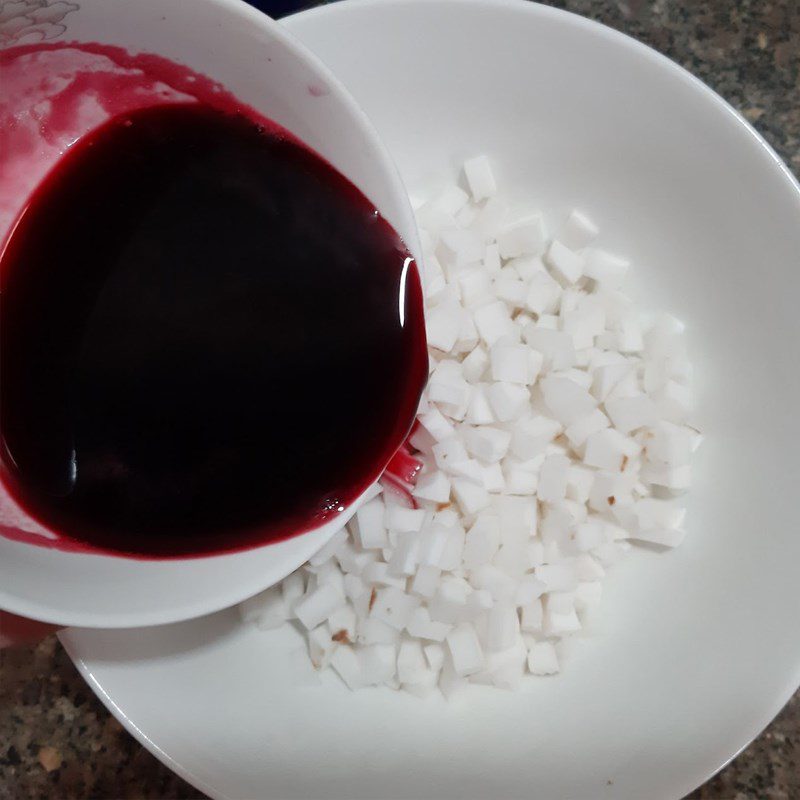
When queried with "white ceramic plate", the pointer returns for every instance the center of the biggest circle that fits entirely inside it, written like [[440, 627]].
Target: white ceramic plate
[[694, 651]]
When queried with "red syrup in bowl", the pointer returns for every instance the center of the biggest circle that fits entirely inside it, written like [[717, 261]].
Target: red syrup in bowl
[[209, 338]]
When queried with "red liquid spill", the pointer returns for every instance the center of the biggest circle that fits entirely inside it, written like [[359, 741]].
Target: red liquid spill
[[209, 336]]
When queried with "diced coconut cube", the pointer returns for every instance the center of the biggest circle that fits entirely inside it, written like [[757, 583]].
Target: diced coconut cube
[[556, 347], [480, 178], [479, 412], [606, 378], [482, 542], [528, 590], [579, 231], [631, 413], [502, 627], [560, 618], [487, 443], [477, 603], [347, 664], [589, 535], [629, 334], [588, 569], [583, 427], [512, 363], [579, 483], [676, 478], [529, 266], [460, 247], [342, 624], [449, 451], [542, 659], [321, 647], [469, 469], [373, 631], [449, 601], [403, 520], [467, 336], [393, 606], [326, 552], [354, 587], [610, 491], [493, 322], [369, 528], [655, 513], [566, 265], [608, 449], [557, 577], [292, 590], [501, 586], [433, 486], [543, 294], [510, 289], [670, 444], [378, 663], [443, 323], [474, 365], [493, 478], [491, 259], [319, 605], [454, 548], [475, 285], [433, 542], [531, 437], [566, 400], [426, 580], [422, 626], [439, 427], [552, 485], [674, 402], [507, 400], [447, 384], [451, 199], [411, 663], [434, 655], [525, 237], [532, 616], [607, 269], [470, 496], [405, 556], [465, 649], [518, 479]]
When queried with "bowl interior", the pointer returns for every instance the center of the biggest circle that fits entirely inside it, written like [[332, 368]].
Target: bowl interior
[[257, 61]]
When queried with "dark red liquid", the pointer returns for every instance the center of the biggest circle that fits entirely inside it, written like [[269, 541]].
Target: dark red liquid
[[209, 338]]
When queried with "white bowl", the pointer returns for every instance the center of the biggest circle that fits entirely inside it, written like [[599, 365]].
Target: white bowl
[[263, 66], [692, 652]]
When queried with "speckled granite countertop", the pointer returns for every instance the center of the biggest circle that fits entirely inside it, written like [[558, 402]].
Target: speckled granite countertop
[[57, 740]]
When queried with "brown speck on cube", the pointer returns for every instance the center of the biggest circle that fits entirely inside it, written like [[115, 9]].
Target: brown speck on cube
[[612, 500], [341, 636], [443, 506], [372, 598], [624, 463]]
